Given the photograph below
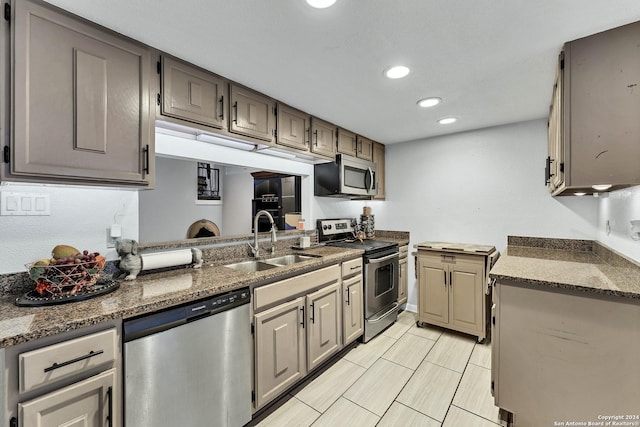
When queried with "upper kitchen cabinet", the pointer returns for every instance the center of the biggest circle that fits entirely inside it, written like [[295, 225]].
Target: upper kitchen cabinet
[[293, 129], [379, 159], [347, 142], [192, 94], [365, 148], [593, 124], [252, 114], [81, 107], [354, 145], [323, 138]]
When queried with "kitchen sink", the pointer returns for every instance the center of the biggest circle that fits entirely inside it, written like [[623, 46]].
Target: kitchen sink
[[289, 259], [251, 266]]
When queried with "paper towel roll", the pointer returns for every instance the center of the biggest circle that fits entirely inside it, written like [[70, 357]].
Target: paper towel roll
[[166, 259]]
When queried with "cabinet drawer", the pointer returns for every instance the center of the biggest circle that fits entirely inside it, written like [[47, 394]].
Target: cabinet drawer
[[354, 266], [50, 364], [452, 257], [404, 251], [289, 288]]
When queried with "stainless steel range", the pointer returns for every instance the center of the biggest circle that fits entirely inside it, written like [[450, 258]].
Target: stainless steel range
[[381, 272]]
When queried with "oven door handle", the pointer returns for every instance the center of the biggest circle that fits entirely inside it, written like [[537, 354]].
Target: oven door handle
[[384, 258]]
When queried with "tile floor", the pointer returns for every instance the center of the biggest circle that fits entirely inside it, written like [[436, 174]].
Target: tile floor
[[408, 376]]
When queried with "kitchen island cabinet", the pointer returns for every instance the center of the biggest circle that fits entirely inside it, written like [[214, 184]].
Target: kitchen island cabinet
[[453, 286], [566, 329], [81, 102]]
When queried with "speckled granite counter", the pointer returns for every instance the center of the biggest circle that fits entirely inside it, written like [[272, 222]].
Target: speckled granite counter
[[399, 237], [580, 265], [148, 293]]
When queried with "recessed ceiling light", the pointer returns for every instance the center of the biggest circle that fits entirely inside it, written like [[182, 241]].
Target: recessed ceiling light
[[601, 187], [397, 72], [447, 120], [321, 4], [429, 102]]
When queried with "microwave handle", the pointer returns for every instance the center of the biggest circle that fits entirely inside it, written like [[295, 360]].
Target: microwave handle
[[373, 180]]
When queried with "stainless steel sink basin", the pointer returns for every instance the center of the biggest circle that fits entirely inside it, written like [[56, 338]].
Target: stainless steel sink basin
[[289, 259], [251, 266]]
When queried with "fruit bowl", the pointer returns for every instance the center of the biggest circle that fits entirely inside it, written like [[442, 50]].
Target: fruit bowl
[[67, 276]]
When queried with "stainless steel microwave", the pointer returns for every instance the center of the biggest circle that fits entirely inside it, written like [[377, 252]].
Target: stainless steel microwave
[[346, 177]]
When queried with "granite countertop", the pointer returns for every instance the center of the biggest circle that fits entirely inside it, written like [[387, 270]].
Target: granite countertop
[[579, 265], [149, 293], [456, 247]]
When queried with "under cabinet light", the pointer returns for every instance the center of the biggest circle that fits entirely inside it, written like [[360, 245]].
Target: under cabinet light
[[601, 187], [579, 193], [429, 102], [397, 72], [447, 120], [321, 4]]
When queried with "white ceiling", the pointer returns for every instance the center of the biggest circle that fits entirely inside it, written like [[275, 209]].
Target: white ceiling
[[491, 61]]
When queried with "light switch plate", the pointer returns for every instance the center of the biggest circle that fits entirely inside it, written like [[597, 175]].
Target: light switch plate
[[25, 204]]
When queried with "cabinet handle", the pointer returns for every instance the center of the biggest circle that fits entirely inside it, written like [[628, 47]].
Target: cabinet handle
[[221, 116], [235, 115], [145, 169], [357, 267], [547, 170], [69, 362], [348, 297], [313, 313], [445, 278], [450, 279], [302, 323], [110, 406], [355, 144], [316, 134], [360, 146], [308, 132]]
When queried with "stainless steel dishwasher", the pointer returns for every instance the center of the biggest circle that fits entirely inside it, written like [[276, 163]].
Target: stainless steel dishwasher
[[190, 366]]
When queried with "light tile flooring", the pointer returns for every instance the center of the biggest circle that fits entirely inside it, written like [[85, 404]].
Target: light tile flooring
[[408, 376]]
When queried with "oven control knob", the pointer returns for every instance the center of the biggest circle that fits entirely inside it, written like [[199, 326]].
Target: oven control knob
[[324, 227], [329, 226]]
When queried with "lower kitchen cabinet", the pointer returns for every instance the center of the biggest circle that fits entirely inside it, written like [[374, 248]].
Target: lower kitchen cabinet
[[324, 330], [298, 325], [280, 349], [403, 286], [452, 291], [575, 351], [353, 314], [70, 379], [87, 403]]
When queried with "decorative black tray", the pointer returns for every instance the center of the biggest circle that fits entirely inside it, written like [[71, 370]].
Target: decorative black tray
[[103, 286]]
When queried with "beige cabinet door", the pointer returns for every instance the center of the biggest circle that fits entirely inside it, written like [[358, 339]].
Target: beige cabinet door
[[81, 100], [293, 129], [192, 94], [365, 148], [353, 314], [323, 138], [347, 142], [404, 281], [379, 159], [433, 295], [252, 114], [279, 349], [88, 403], [554, 169], [465, 283], [324, 324]]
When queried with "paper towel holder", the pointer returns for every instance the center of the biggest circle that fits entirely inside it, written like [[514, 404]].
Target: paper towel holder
[[131, 262]]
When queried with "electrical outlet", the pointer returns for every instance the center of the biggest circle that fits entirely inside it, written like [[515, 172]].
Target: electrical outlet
[[113, 233]]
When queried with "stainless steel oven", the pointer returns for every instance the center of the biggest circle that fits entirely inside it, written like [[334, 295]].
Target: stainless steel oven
[[381, 273]]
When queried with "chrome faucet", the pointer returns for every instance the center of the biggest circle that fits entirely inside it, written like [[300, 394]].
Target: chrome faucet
[[255, 248]]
